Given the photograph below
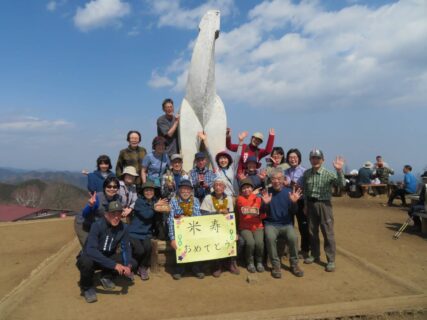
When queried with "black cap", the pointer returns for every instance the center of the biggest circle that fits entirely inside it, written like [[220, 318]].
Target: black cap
[[185, 183]]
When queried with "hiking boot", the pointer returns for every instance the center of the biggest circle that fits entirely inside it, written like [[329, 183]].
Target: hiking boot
[[311, 259], [107, 284], [234, 269], [260, 267], [143, 273], [90, 295], [296, 270], [330, 267], [276, 272], [251, 268], [217, 273]]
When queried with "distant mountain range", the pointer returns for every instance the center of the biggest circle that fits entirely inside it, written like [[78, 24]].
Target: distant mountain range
[[15, 176], [44, 194]]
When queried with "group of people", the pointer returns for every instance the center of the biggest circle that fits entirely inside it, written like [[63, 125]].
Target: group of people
[[148, 192], [380, 172]]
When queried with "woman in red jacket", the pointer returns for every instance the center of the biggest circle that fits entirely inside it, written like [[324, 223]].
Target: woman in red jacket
[[250, 225], [251, 149]]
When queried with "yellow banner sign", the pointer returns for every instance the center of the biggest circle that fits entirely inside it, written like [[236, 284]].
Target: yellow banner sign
[[205, 238]]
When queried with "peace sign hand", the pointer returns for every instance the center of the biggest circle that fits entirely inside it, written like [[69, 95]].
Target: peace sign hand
[[92, 199]]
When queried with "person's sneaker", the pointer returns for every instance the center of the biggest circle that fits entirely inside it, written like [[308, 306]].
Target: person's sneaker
[[234, 269], [330, 267], [90, 295], [251, 268], [107, 284], [177, 276], [276, 272], [311, 259], [297, 271], [143, 273], [197, 272], [217, 273], [260, 267]]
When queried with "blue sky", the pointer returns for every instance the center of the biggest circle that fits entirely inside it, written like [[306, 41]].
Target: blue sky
[[349, 77]]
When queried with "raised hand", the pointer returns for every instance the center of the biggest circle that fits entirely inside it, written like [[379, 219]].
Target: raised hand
[[126, 212], [228, 132], [177, 117], [162, 202], [202, 135], [295, 195], [241, 176], [266, 197], [92, 199], [338, 163], [243, 135], [85, 172], [271, 132], [262, 174]]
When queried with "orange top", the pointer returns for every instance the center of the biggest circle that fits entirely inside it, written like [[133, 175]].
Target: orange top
[[247, 221]]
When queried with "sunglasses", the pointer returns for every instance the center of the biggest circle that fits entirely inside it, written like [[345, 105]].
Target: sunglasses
[[112, 186]]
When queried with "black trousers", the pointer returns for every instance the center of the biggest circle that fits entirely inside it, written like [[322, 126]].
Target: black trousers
[[303, 226], [141, 251], [398, 193], [88, 267]]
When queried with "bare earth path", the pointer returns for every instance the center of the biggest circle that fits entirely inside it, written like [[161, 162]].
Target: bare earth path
[[373, 271]]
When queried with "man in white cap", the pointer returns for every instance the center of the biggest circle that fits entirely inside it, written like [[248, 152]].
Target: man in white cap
[[317, 188]]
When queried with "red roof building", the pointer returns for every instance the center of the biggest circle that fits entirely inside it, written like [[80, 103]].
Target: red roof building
[[14, 212]]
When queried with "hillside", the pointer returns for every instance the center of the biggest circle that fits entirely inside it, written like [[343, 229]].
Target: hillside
[[49, 195], [14, 176]]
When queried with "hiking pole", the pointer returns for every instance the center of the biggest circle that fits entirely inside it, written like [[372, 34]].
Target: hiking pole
[[402, 228]]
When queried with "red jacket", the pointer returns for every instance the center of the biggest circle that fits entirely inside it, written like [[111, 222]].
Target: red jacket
[[246, 221], [250, 150]]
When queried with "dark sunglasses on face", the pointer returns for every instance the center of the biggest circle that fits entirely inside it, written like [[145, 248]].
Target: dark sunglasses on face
[[112, 186]]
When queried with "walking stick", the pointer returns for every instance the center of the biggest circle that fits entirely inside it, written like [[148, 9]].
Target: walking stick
[[402, 228]]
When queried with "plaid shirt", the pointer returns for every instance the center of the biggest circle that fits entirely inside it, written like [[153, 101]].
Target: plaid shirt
[[319, 184], [209, 176], [177, 211]]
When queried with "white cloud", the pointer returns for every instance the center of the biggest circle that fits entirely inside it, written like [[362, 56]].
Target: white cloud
[[172, 14], [100, 13], [51, 6], [158, 81], [32, 124], [299, 55]]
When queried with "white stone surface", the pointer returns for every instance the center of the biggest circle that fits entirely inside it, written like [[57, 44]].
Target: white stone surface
[[202, 109]]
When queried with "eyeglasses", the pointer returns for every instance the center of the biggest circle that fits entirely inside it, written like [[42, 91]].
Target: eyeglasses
[[112, 186]]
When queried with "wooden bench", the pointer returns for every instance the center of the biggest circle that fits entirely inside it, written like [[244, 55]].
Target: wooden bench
[[365, 187], [162, 255]]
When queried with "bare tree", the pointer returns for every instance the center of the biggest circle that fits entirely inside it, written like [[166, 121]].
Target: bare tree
[[28, 196]]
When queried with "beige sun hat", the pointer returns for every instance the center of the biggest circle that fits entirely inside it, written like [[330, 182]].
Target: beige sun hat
[[130, 171], [368, 164], [258, 135]]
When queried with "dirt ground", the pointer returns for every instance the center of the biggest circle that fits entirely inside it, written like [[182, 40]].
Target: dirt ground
[[24, 245], [364, 227]]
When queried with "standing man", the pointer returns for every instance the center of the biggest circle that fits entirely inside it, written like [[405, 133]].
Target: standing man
[[167, 127], [317, 185], [278, 202]]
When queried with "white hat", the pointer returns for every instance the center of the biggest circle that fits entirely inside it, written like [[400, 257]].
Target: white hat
[[130, 171]]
